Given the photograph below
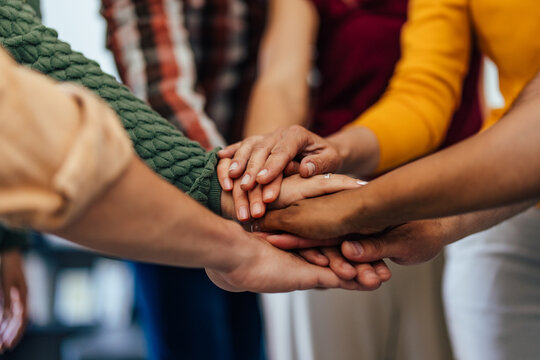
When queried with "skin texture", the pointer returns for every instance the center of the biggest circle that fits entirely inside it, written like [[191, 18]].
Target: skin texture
[[14, 299], [279, 106], [172, 229], [427, 189]]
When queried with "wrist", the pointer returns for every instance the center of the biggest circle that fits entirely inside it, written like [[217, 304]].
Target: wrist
[[237, 249], [358, 149]]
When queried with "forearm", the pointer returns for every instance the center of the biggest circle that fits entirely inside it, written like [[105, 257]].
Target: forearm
[[497, 167], [471, 223], [358, 149], [281, 93], [162, 226], [273, 106]]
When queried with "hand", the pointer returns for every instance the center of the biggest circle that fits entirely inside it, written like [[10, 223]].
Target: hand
[[293, 189], [268, 269], [261, 159], [371, 275], [14, 294], [326, 217], [411, 243]]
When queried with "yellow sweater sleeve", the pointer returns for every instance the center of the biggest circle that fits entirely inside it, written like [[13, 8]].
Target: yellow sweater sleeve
[[412, 117]]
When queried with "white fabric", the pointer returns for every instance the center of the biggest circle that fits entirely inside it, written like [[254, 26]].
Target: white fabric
[[492, 291]]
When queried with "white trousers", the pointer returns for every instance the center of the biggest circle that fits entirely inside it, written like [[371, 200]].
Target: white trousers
[[400, 321], [492, 291]]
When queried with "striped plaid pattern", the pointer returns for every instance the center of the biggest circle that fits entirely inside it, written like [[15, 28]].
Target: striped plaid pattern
[[171, 52]]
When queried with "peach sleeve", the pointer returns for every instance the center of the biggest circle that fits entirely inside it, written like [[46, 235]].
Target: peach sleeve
[[60, 147]]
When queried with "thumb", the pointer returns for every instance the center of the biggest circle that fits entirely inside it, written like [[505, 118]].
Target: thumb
[[289, 241], [370, 249], [275, 220], [320, 163]]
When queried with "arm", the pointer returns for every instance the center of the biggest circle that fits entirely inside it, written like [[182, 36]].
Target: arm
[[280, 94], [414, 113], [180, 161], [409, 121], [497, 167], [90, 188], [171, 89], [279, 98], [422, 240]]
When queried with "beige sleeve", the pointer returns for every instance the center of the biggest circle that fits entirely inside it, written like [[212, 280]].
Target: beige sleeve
[[60, 147]]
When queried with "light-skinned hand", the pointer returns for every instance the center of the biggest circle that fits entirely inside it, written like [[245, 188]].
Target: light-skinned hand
[[262, 159]]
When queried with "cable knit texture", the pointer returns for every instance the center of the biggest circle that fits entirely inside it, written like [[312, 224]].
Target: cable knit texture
[[181, 162]]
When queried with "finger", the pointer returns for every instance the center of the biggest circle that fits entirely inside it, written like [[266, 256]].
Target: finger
[[292, 168], [291, 144], [258, 157], [276, 220], [314, 256], [311, 276], [223, 174], [367, 276], [241, 157], [229, 151], [323, 162], [256, 203], [382, 270], [321, 184], [370, 249], [289, 241], [338, 264], [241, 203], [271, 191]]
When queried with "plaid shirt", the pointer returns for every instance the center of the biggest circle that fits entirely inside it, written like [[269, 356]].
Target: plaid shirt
[[176, 53]]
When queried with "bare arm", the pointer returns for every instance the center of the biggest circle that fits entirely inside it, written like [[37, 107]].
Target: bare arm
[[422, 240], [280, 94], [497, 167]]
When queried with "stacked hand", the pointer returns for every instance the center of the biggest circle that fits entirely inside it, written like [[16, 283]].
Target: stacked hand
[[324, 230], [252, 198]]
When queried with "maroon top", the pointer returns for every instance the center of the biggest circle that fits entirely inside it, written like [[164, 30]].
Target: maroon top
[[358, 48]]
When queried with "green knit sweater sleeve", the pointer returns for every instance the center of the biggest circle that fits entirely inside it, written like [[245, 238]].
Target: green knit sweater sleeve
[[182, 162]]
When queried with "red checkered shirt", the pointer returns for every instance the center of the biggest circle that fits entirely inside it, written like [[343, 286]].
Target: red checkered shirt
[[191, 60]]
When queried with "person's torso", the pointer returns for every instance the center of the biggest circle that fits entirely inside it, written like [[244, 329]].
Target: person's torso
[[358, 48]]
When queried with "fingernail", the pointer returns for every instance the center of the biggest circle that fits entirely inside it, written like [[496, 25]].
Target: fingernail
[[245, 179], [257, 209], [262, 172], [370, 274], [255, 227], [361, 182], [233, 166], [311, 168], [357, 249], [227, 183], [268, 195], [346, 266], [243, 213]]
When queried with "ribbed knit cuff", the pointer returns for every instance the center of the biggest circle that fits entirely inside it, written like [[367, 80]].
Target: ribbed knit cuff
[[214, 195]]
